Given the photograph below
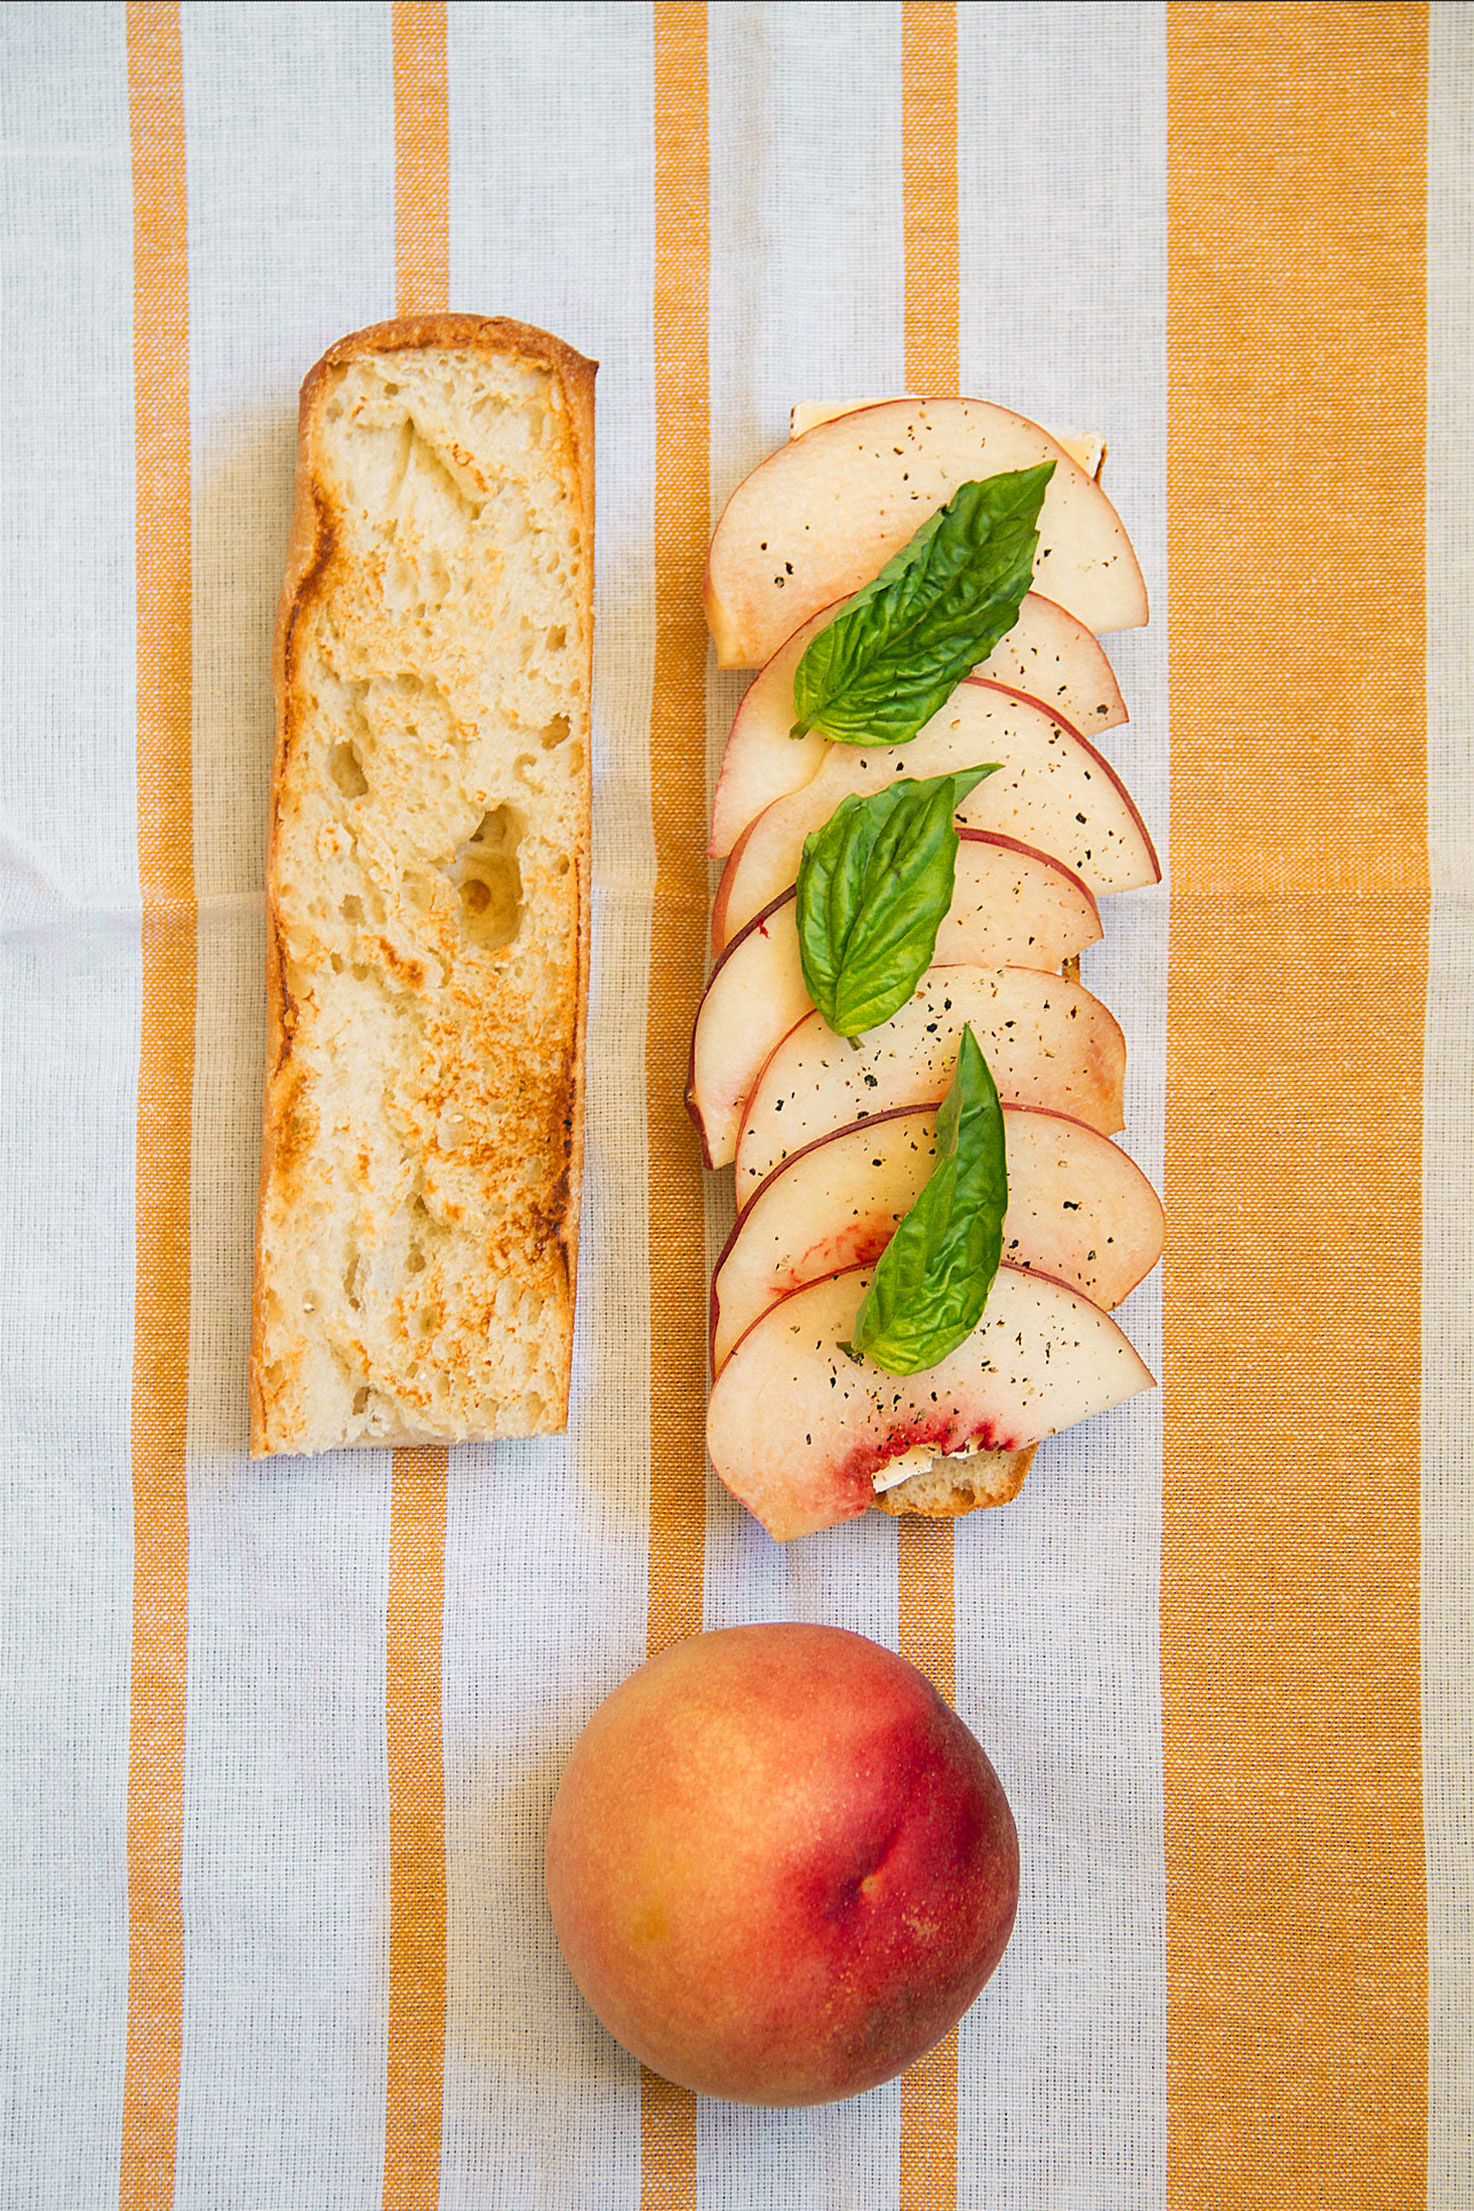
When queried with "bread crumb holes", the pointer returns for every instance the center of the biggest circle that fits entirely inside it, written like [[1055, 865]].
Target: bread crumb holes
[[488, 880], [345, 766]]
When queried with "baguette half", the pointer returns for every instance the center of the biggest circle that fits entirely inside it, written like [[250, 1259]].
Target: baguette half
[[427, 897]]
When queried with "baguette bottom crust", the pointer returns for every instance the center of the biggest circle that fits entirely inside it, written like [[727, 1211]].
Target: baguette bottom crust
[[951, 1487]]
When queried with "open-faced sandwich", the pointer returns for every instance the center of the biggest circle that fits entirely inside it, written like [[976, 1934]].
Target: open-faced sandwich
[[894, 1050]]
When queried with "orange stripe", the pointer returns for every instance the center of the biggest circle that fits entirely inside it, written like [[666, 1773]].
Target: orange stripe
[[416, 2056], [421, 157], [677, 937], [929, 2087], [927, 1614], [1296, 1941], [165, 1080], [929, 158], [416, 2052]]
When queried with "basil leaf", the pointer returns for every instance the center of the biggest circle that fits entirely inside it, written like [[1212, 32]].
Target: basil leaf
[[873, 887], [896, 654], [929, 1289]]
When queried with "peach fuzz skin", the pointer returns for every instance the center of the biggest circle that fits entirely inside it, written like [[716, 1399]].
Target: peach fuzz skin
[[779, 1866]]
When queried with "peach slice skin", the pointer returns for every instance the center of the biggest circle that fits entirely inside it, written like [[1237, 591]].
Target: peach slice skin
[[1052, 792], [821, 517], [1048, 657], [1010, 907], [797, 1428], [1080, 1210], [1047, 1041]]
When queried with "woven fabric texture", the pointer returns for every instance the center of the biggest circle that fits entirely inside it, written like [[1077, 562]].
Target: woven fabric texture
[[280, 1738]]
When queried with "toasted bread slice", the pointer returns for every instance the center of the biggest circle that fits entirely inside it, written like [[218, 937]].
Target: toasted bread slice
[[428, 894], [949, 1487]]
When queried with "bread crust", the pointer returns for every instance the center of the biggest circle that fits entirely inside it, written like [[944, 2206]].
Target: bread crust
[[310, 549], [946, 1490]]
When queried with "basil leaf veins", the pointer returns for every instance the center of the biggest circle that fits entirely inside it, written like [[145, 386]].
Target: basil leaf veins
[[896, 654], [874, 885], [929, 1289]]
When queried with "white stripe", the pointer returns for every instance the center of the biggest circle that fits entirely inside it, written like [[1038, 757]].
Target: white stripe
[[552, 221], [70, 1005], [1064, 288], [291, 243], [1448, 1121]]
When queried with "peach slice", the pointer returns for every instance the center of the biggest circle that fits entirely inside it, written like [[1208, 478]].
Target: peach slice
[[1079, 1209], [1047, 656], [823, 515], [1053, 792], [799, 1430], [1047, 1043], [1088, 447], [1010, 907]]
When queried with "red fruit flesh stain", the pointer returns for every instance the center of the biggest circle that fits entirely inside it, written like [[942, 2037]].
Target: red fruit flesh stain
[[940, 1434], [832, 1254]]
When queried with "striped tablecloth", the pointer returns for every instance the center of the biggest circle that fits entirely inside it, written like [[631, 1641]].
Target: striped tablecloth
[[280, 1738]]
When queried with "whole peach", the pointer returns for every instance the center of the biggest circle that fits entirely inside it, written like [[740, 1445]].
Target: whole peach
[[779, 1865]]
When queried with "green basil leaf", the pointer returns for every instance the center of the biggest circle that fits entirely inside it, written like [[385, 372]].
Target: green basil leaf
[[929, 1289], [873, 887], [896, 654]]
